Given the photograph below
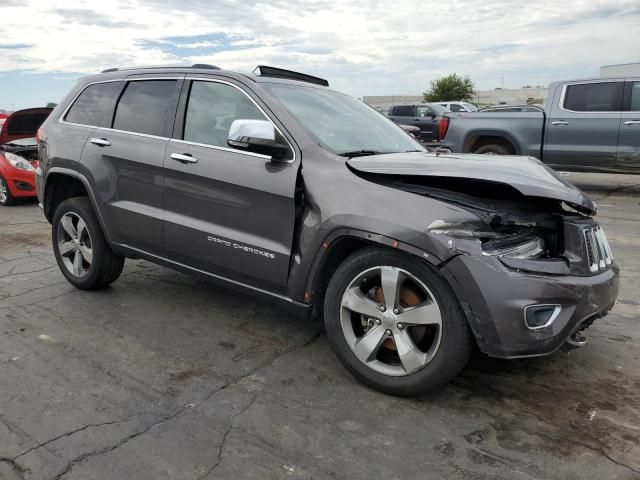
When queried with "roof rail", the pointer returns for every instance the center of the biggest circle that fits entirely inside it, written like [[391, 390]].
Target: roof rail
[[265, 71], [205, 66], [202, 66]]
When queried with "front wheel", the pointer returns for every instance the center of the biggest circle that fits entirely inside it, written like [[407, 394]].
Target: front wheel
[[6, 198], [395, 323], [82, 252]]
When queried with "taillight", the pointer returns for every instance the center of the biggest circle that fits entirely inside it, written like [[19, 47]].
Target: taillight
[[39, 135], [443, 126]]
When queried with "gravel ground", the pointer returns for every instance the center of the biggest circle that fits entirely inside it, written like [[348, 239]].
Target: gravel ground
[[163, 376]]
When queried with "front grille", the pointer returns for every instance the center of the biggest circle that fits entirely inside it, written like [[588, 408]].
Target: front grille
[[599, 254]]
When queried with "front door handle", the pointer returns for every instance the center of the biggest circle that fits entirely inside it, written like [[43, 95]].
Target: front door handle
[[101, 142], [632, 122], [184, 157], [560, 122]]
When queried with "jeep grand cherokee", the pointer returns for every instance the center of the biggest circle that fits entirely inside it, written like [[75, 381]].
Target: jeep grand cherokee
[[276, 184]]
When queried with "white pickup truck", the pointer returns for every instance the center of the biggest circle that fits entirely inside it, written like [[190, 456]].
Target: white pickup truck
[[588, 125]]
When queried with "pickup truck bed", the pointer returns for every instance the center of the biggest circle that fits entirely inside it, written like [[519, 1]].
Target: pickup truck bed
[[520, 133]]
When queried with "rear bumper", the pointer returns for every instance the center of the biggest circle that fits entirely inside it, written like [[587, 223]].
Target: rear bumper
[[494, 298], [22, 184]]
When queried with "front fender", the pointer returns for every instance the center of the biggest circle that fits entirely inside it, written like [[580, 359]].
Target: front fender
[[435, 249]]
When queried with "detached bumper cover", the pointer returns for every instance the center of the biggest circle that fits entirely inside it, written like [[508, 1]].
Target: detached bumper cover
[[494, 298]]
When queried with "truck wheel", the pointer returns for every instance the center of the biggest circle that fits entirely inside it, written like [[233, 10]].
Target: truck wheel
[[5, 195], [82, 253], [395, 323], [493, 149]]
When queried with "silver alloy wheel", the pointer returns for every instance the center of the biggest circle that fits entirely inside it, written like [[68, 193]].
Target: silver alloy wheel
[[388, 320], [3, 191], [74, 244]]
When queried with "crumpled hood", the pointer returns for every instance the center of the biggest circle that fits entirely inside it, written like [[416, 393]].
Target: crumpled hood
[[528, 175]]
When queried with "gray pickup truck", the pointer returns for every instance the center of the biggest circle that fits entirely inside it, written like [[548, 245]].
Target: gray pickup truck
[[589, 125]]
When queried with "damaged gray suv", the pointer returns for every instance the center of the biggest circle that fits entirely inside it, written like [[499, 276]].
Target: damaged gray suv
[[276, 184]]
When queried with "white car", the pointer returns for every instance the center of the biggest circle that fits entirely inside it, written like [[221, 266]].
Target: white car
[[459, 106]]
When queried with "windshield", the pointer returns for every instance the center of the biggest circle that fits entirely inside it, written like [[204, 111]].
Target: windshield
[[342, 124], [471, 107]]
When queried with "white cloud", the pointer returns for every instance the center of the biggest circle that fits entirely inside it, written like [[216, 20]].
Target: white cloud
[[362, 47]]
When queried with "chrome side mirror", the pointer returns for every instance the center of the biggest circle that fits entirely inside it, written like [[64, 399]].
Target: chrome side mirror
[[258, 136]]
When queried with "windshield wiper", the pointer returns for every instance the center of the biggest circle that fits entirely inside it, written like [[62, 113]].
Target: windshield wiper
[[360, 153]]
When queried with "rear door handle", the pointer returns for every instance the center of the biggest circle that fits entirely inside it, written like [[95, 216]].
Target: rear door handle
[[632, 122], [560, 122], [184, 158], [101, 142]]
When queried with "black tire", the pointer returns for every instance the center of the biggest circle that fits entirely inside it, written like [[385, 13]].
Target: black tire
[[456, 342], [106, 266], [8, 200], [493, 149]]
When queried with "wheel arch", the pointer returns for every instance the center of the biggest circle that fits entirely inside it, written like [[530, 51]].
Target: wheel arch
[[478, 138], [339, 245], [61, 184]]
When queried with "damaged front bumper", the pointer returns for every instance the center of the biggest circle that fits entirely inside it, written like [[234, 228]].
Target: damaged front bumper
[[496, 298]]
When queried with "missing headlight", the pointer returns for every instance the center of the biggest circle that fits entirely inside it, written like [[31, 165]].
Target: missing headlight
[[515, 247]]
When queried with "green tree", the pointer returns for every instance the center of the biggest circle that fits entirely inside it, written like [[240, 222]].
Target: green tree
[[52, 105], [452, 87]]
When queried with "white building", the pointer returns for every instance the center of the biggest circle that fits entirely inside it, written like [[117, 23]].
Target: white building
[[620, 70], [505, 96], [511, 96], [501, 96]]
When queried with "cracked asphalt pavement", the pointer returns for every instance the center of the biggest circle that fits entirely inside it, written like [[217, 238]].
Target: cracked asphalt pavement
[[163, 376]]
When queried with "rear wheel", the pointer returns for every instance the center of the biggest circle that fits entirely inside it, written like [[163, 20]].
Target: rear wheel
[[395, 323], [5, 195], [493, 149], [82, 253]]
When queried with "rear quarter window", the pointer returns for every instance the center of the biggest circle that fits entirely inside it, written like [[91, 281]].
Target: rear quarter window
[[94, 106]]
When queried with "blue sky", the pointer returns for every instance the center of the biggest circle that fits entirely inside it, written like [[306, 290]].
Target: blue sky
[[373, 47], [23, 90]]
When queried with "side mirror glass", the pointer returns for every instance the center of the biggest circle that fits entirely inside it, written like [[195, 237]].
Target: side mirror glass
[[258, 136]]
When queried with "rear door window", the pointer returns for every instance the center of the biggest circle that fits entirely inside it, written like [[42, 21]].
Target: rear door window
[[594, 97], [635, 97], [146, 106], [94, 106], [211, 110], [403, 111]]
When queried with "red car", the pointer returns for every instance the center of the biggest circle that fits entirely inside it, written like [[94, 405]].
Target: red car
[[19, 154]]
